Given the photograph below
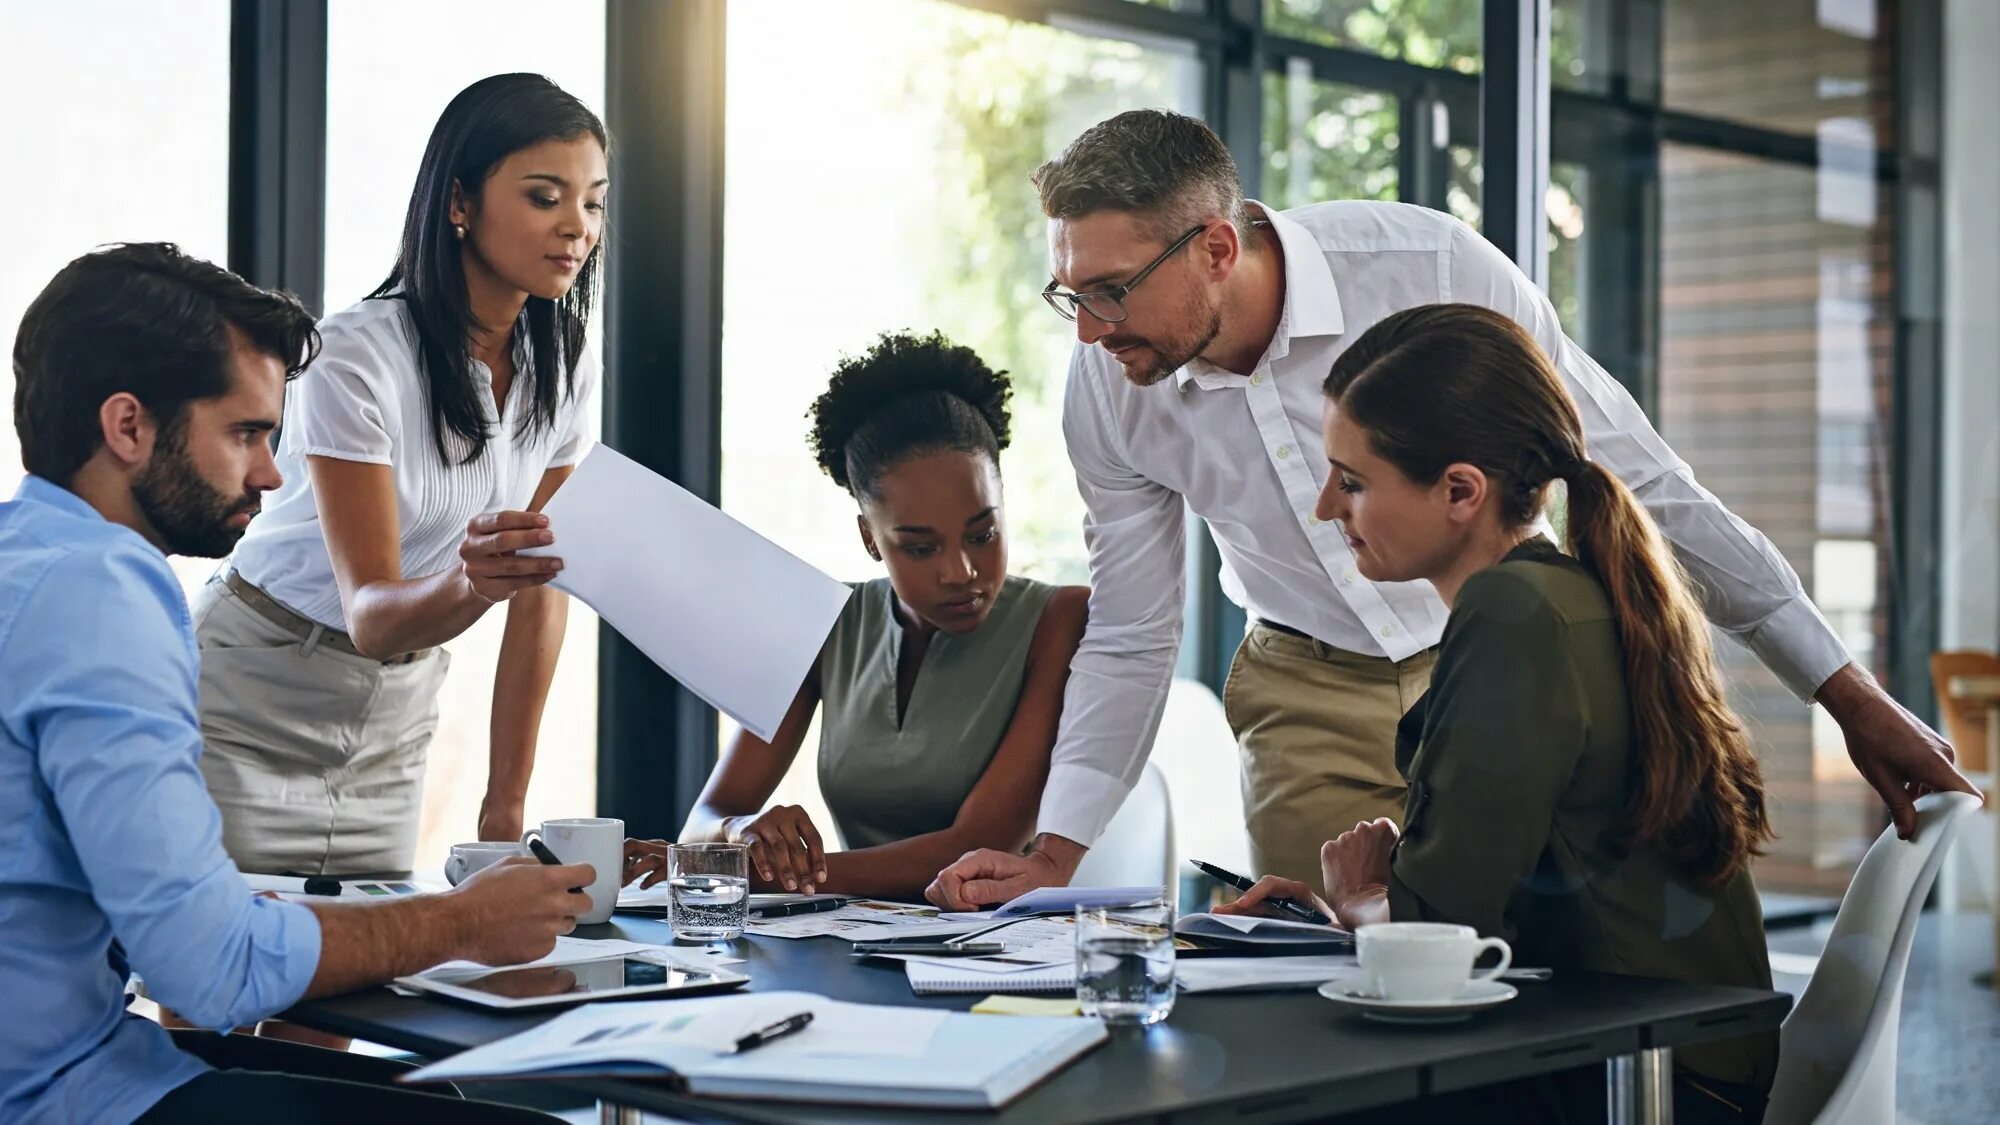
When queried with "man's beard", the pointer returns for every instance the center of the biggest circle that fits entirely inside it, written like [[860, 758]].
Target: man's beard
[[1181, 355], [191, 516]]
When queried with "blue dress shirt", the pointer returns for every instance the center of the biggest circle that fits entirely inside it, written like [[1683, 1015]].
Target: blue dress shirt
[[110, 849]]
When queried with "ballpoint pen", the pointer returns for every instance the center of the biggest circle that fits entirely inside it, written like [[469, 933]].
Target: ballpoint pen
[[778, 1030], [1298, 910]]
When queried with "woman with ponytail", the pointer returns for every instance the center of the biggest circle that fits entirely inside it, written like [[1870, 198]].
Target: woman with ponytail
[[1577, 781], [941, 684]]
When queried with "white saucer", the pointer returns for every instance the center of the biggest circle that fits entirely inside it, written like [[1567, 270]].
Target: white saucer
[[1477, 997]]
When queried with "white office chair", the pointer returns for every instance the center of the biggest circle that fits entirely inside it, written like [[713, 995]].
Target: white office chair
[[1197, 752], [1137, 847], [1837, 1054]]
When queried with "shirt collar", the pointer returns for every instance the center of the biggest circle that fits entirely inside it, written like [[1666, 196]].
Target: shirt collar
[[43, 491], [1312, 302]]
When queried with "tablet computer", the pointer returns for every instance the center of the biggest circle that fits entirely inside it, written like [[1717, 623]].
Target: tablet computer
[[657, 975]]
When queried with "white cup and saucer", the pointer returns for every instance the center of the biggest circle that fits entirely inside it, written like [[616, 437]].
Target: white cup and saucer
[[1421, 972]]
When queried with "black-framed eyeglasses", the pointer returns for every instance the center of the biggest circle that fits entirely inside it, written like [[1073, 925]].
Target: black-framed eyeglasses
[[1108, 305]]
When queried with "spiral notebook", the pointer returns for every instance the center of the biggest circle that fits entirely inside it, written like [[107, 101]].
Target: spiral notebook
[[931, 978]]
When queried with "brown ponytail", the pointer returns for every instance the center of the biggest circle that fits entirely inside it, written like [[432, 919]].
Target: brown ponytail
[[1446, 384]]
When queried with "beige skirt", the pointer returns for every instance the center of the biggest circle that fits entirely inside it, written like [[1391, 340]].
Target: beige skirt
[[315, 756]]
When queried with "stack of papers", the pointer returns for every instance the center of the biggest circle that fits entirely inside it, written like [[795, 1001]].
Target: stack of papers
[[858, 1054]]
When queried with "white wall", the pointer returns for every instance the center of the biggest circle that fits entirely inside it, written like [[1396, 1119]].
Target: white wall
[[1970, 615], [1970, 582]]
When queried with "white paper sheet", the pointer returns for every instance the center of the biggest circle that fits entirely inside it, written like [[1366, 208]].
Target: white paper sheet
[[863, 914], [732, 616], [568, 950], [1062, 900], [691, 1035]]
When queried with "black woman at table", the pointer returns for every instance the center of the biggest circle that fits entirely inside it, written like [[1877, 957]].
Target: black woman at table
[[940, 687], [1578, 784]]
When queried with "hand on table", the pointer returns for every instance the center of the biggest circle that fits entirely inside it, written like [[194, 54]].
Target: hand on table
[[647, 858], [987, 877], [785, 847], [488, 560]]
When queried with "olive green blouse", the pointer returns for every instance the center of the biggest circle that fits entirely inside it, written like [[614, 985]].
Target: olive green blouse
[[888, 777], [1520, 764]]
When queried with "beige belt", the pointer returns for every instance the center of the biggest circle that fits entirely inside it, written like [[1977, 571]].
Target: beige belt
[[304, 628]]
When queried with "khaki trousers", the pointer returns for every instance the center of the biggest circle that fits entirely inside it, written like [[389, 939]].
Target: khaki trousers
[[1316, 730], [315, 756]]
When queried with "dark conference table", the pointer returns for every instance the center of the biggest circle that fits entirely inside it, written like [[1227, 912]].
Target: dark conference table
[[1244, 1057]]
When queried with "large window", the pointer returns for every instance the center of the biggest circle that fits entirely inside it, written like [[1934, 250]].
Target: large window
[[1432, 33], [865, 199], [1775, 379], [128, 140], [1328, 140], [390, 70]]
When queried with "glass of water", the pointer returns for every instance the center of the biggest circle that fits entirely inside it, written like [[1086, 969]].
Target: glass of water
[[708, 889], [1125, 962]]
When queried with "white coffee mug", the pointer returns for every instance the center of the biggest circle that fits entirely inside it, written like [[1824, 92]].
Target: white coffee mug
[[468, 858], [598, 841], [1424, 961]]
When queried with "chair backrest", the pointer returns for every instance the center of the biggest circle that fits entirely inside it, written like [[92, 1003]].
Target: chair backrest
[[1837, 1059], [1137, 848], [1196, 751], [1964, 719]]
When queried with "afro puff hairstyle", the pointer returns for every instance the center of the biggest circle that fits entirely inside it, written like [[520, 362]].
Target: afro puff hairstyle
[[906, 395]]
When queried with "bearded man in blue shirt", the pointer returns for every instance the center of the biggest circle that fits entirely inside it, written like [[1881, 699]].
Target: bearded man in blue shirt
[[148, 385]]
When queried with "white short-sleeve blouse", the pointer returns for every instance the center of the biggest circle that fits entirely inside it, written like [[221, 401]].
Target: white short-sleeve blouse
[[363, 399]]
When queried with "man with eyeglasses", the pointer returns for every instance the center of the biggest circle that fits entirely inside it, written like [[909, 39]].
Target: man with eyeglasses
[[1205, 326]]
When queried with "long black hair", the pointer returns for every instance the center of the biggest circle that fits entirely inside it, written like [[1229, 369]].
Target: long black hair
[[487, 122], [907, 395]]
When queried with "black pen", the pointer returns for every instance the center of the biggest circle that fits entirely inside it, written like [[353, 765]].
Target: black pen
[[803, 906], [547, 857], [777, 1030], [1297, 910]]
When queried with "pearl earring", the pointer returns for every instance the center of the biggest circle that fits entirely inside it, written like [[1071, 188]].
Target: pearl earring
[[461, 232]]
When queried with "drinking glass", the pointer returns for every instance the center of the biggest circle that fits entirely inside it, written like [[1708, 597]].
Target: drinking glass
[[708, 891], [1125, 962]]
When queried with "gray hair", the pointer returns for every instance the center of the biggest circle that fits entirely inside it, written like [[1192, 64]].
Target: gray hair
[[1168, 170]]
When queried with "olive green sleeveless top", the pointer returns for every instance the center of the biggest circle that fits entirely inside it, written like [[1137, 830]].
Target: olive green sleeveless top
[[885, 780]]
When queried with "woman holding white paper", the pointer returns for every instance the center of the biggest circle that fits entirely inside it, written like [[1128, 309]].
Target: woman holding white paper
[[441, 414], [942, 683]]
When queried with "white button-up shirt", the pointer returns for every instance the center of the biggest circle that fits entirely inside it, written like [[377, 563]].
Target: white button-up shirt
[[1245, 453], [365, 399]]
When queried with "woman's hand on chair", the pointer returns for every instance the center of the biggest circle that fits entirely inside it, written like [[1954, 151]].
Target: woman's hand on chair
[[785, 847]]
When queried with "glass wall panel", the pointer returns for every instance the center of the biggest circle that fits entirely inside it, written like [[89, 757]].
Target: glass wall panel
[[1776, 371], [1327, 140], [130, 131], [1820, 68], [895, 196], [1439, 33]]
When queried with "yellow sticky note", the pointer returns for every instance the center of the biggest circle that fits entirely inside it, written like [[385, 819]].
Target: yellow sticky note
[[1027, 1006]]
